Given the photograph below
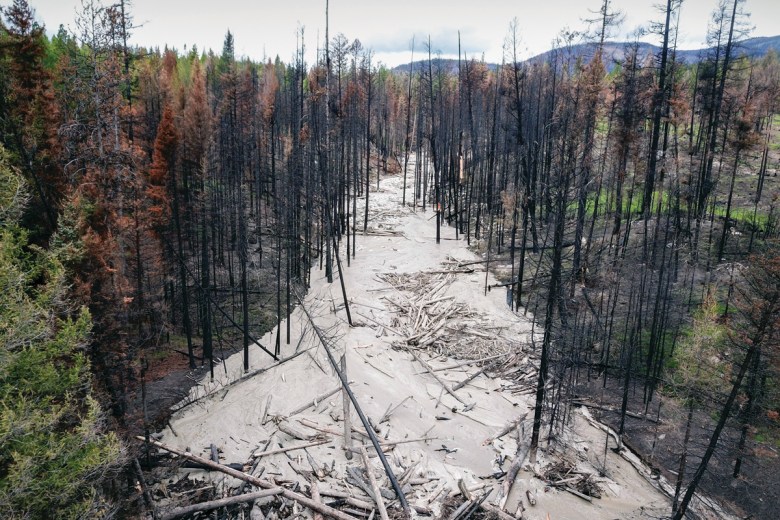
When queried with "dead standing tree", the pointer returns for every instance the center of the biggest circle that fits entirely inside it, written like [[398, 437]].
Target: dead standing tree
[[756, 333]]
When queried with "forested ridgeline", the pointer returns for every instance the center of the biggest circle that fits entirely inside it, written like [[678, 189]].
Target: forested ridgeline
[[162, 208]]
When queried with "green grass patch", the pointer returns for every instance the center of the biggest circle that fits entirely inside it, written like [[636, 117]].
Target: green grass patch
[[602, 125], [607, 203], [745, 217], [767, 435]]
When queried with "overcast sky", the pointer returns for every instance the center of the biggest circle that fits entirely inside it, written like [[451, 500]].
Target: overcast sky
[[267, 28]]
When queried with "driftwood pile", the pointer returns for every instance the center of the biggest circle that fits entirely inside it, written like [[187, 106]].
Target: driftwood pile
[[383, 223], [353, 492], [431, 320], [564, 475], [361, 492], [430, 323]]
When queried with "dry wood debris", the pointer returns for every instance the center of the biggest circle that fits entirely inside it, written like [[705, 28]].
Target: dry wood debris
[[428, 318], [563, 474], [301, 454]]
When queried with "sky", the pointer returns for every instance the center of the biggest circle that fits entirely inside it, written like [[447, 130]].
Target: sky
[[269, 28]]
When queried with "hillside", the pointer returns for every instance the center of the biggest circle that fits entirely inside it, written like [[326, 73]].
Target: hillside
[[616, 51]]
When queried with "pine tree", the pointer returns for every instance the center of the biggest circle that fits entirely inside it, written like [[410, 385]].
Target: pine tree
[[52, 447], [28, 114]]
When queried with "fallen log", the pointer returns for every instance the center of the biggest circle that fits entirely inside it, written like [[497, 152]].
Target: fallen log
[[341, 494], [390, 411], [323, 429], [314, 491], [195, 465], [469, 489], [222, 502], [590, 404], [508, 428], [406, 476], [469, 362], [346, 411], [469, 507], [356, 479], [144, 489], [363, 419], [352, 500], [565, 481], [291, 495], [319, 472], [360, 504], [380, 503], [314, 402], [475, 375], [290, 448], [168, 462], [257, 460], [511, 475], [296, 433], [578, 494], [391, 329], [390, 444], [435, 376], [266, 409]]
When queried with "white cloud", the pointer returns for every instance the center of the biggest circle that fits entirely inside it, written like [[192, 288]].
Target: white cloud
[[268, 27]]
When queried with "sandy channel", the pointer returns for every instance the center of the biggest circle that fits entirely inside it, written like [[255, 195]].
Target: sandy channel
[[401, 247]]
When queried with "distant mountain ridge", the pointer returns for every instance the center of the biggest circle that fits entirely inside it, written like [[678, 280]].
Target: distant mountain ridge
[[615, 52]]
